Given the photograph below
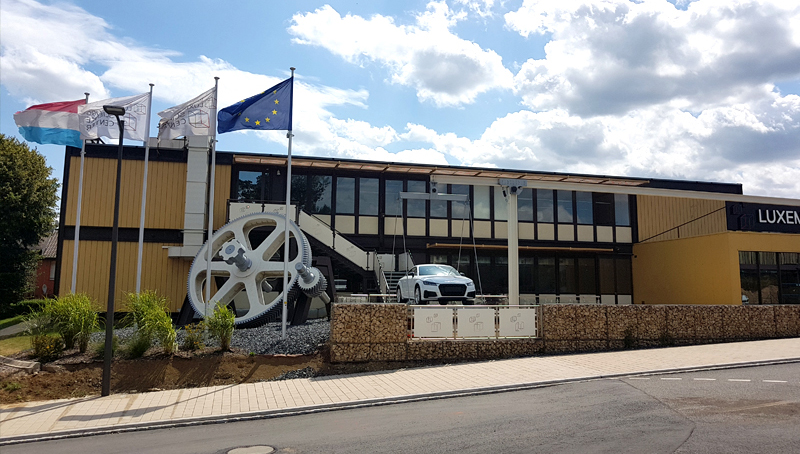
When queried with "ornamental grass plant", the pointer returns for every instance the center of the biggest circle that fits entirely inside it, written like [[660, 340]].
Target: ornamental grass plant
[[73, 316], [220, 325], [150, 314]]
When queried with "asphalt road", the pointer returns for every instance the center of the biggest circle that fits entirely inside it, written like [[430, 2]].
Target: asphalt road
[[747, 410]]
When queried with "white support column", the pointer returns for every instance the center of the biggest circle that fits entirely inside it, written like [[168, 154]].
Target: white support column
[[513, 247]]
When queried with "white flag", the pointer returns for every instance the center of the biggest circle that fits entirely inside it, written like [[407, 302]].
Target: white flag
[[197, 117], [95, 122]]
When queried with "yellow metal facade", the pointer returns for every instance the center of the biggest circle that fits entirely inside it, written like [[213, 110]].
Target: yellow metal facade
[[669, 218], [699, 270], [166, 195]]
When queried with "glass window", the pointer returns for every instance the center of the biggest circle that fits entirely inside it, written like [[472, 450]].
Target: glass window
[[586, 277], [525, 205], [544, 205], [790, 277], [546, 275], [748, 274], [368, 196], [439, 207], [416, 208], [768, 277], [299, 189], [526, 267], [567, 283], [319, 194], [606, 276], [345, 195], [603, 209], [392, 197], [500, 205], [584, 208], [624, 279], [621, 211], [564, 206], [481, 202], [458, 210], [249, 186]]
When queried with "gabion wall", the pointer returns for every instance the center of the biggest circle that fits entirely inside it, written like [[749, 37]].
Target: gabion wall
[[379, 332]]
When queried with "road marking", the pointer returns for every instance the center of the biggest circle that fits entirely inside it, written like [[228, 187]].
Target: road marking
[[774, 381], [704, 379], [671, 378], [738, 379]]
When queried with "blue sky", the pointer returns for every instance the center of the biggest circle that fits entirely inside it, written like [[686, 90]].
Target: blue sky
[[704, 90]]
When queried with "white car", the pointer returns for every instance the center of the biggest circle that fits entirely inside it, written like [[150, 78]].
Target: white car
[[441, 283]]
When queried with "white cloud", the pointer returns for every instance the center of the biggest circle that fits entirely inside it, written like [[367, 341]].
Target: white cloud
[[441, 67], [612, 56]]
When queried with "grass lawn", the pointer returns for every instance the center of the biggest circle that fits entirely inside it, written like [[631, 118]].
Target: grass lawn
[[14, 345], [6, 322]]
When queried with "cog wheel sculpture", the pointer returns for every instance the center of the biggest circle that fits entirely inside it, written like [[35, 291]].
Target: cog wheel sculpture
[[246, 268]]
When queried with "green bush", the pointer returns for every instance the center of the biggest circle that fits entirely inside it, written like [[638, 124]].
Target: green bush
[[74, 318], [150, 314], [220, 325], [26, 307], [100, 348], [139, 345], [193, 337], [47, 347]]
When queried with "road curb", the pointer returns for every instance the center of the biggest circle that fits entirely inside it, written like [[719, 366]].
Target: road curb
[[311, 409]]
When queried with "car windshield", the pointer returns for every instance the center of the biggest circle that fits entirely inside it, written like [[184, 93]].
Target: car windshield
[[437, 270]]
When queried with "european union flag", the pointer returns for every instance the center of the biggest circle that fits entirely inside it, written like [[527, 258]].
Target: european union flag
[[268, 110]]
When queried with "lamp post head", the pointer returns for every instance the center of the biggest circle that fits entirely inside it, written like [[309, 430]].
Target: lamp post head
[[114, 110]]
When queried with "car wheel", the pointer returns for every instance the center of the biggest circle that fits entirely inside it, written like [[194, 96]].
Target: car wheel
[[418, 296], [400, 295]]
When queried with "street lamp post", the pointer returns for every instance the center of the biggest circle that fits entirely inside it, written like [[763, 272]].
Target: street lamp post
[[115, 111]]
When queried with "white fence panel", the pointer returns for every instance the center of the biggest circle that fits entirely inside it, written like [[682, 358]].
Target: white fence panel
[[517, 321], [433, 322], [475, 322]]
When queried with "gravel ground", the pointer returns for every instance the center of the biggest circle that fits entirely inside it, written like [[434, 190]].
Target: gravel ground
[[265, 340]]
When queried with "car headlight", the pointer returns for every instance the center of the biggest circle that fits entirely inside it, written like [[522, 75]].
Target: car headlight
[[470, 284], [429, 283]]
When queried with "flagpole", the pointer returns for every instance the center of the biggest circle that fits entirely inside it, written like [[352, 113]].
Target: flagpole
[[211, 202], [144, 193], [285, 312], [76, 240]]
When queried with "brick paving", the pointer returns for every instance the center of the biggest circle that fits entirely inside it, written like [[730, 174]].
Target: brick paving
[[70, 417]]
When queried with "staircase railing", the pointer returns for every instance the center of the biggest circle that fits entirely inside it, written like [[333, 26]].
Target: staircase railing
[[379, 274]]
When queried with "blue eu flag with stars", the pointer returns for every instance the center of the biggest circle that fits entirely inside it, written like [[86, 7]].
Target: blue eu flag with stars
[[268, 110]]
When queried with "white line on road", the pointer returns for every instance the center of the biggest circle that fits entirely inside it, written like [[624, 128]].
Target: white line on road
[[738, 379], [774, 381], [671, 378], [704, 379]]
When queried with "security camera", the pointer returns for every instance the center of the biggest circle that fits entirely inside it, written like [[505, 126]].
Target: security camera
[[434, 188]]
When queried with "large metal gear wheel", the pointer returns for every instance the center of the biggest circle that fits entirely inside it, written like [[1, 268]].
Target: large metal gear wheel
[[246, 268]]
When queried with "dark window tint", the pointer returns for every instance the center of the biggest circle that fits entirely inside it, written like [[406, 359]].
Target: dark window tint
[[624, 284], [525, 205], [603, 209], [368, 196], [606, 276], [416, 208], [546, 275], [621, 210], [567, 284], [319, 194], [544, 205], [586, 277], [249, 186], [458, 210], [392, 197], [584, 207], [345, 195], [564, 206]]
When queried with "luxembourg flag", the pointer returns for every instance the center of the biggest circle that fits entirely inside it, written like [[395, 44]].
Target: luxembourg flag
[[54, 123]]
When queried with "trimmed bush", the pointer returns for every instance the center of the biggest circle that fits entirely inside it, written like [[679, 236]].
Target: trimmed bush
[[220, 325], [139, 345], [100, 347]]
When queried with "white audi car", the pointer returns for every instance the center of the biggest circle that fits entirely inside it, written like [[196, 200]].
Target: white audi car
[[440, 283]]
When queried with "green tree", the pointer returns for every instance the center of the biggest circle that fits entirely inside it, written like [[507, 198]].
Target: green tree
[[28, 197]]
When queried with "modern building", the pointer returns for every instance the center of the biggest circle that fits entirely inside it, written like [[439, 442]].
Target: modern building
[[581, 238]]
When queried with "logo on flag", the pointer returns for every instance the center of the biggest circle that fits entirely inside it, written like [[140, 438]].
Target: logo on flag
[[94, 122], [192, 118], [54, 123]]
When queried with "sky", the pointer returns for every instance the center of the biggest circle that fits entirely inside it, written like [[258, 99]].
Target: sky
[[702, 90]]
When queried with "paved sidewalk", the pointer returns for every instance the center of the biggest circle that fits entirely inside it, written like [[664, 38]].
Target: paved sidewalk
[[118, 412]]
